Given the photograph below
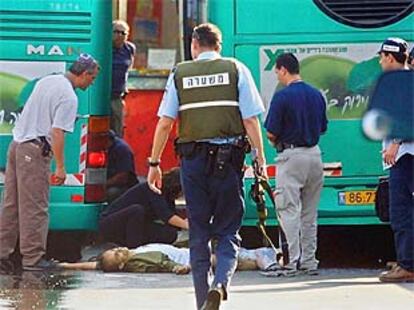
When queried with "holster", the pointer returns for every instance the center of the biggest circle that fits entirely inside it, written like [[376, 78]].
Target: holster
[[219, 158], [222, 161], [46, 147]]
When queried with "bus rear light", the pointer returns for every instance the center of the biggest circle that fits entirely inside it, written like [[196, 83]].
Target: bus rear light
[[95, 193], [98, 141], [76, 198], [97, 159], [98, 124], [95, 176]]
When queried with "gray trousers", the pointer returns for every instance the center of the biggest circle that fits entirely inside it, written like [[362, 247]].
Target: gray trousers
[[299, 183], [24, 213], [117, 116]]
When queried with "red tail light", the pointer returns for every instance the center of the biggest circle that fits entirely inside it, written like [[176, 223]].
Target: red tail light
[[95, 193], [97, 159]]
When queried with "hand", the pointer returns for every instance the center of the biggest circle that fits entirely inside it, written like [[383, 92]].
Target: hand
[[261, 165], [390, 153], [154, 179], [59, 176], [181, 269]]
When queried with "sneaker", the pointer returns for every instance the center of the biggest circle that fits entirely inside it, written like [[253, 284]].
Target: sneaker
[[43, 265], [391, 265], [309, 271], [397, 274], [214, 297], [282, 272], [274, 267]]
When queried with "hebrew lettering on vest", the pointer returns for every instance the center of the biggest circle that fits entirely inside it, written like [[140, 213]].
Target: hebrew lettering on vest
[[210, 80]]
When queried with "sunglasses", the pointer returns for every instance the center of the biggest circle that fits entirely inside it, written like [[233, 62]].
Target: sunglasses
[[122, 32]]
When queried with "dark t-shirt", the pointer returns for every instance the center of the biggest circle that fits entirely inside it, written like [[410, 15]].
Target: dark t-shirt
[[156, 206], [121, 61], [297, 115], [121, 159]]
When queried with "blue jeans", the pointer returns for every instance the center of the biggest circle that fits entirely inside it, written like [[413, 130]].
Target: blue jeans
[[215, 210], [402, 210]]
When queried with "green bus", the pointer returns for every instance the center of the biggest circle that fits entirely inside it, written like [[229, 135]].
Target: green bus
[[336, 42], [44, 37]]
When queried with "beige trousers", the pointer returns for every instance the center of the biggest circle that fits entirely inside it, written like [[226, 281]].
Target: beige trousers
[[117, 116], [24, 212], [299, 183]]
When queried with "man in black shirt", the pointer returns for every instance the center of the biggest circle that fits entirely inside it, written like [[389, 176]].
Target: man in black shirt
[[296, 119]]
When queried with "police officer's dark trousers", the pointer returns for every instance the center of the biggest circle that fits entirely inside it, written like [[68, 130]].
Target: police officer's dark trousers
[[215, 208]]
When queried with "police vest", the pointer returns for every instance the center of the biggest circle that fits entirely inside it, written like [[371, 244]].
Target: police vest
[[208, 100]]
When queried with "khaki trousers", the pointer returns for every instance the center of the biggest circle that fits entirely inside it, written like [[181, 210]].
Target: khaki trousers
[[117, 116], [24, 213], [299, 183]]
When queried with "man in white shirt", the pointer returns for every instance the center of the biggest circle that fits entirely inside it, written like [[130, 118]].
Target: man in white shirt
[[49, 112]]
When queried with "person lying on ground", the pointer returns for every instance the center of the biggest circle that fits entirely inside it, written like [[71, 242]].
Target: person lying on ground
[[157, 257]]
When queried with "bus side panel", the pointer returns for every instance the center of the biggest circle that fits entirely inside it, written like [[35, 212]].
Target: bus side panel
[[339, 60], [59, 31]]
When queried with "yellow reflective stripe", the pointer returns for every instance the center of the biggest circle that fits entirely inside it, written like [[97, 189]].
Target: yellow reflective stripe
[[204, 104]]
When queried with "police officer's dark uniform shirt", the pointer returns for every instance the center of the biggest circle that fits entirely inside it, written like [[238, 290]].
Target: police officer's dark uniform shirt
[[286, 118]]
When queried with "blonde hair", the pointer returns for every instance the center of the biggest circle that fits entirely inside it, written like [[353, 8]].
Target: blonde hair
[[111, 263]]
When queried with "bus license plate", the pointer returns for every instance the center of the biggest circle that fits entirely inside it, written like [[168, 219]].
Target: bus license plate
[[356, 198]]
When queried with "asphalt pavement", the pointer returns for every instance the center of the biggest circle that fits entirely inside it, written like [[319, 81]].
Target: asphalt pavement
[[331, 289]]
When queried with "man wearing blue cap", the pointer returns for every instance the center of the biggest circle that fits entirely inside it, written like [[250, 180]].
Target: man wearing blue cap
[[48, 113], [398, 156]]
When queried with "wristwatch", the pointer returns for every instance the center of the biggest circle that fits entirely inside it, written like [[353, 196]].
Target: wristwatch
[[153, 163], [397, 141]]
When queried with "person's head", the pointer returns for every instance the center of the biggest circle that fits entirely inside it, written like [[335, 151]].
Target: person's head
[[83, 71], [171, 186], [205, 37], [393, 54], [411, 59], [286, 68], [120, 31], [114, 260]]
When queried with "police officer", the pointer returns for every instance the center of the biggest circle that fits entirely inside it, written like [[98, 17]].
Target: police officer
[[217, 104]]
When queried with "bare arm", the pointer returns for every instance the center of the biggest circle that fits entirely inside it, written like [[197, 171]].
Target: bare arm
[[58, 144], [252, 126], [179, 222], [162, 131], [79, 266], [272, 138]]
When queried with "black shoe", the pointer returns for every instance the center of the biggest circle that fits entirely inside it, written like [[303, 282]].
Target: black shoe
[[44, 265], [6, 266], [214, 297]]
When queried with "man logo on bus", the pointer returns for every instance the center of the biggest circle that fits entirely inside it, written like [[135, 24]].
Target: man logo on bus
[[41, 50]]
